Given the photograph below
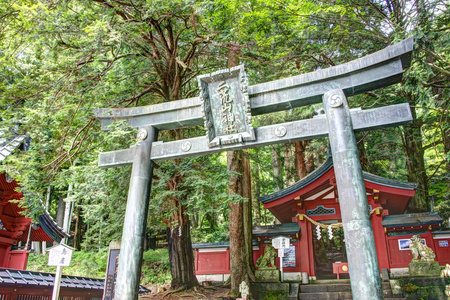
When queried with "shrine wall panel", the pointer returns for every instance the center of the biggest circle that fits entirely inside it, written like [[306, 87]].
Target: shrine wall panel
[[399, 253], [4, 255], [442, 246], [214, 262]]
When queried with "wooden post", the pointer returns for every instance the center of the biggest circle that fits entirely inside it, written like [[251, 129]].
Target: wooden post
[[57, 283]]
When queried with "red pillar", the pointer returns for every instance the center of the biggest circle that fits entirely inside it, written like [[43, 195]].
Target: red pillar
[[380, 239], [196, 258], [430, 241], [305, 253]]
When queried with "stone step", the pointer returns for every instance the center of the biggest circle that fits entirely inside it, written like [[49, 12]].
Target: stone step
[[333, 287], [337, 291], [338, 295], [326, 296], [320, 288]]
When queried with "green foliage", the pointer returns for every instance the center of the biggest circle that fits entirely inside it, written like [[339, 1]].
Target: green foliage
[[203, 192], [212, 234], [275, 295], [156, 267], [61, 60], [85, 264], [410, 288], [416, 292]]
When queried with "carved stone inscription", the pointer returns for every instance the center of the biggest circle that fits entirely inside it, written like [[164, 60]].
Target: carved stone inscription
[[226, 107], [227, 101]]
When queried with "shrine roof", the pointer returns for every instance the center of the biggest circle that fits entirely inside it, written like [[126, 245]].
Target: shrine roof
[[277, 229], [47, 230], [23, 277], [8, 146], [428, 218], [258, 231], [322, 170], [439, 231], [216, 245], [316, 174], [389, 182], [50, 227]]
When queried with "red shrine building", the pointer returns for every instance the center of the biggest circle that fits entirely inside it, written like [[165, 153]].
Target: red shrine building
[[17, 231], [313, 202]]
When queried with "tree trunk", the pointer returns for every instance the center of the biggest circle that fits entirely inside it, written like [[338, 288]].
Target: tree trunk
[[238, 260], [47, 208], [300, 159], [77, 233], [36, 246], [179, 238], [255, 198], [446, 136], [445, 133], [60, 211], [362, 152], [181, 256], [412, 142], [289, 168], [276, 168], [310, 162], [180, 249], [247, 218]]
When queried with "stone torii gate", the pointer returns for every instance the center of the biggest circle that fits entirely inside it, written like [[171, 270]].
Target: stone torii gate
[[226, 105]]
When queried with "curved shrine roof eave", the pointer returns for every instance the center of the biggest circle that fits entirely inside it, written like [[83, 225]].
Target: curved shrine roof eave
[[216, 245], [403, 220], [50, 227], [369, 177], [276, 230], [323, 169], [316, 174]]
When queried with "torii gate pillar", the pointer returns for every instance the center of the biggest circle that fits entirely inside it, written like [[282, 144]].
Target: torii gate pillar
[[359, 240], [129, 269]]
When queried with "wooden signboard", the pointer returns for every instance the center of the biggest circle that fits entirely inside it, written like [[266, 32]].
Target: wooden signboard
[[111, 270], [60, 255]]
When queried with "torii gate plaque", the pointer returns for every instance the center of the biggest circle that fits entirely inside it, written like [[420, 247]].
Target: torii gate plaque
[[228, 122]]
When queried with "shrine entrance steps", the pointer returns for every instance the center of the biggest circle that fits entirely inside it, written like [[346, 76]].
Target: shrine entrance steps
[[335, 290]]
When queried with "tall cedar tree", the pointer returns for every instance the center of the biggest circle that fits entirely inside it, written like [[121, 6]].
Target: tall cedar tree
[[162, 46], [241, 262]]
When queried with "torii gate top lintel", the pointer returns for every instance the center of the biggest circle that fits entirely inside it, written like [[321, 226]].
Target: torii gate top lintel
[[370, 72], [376, 70]]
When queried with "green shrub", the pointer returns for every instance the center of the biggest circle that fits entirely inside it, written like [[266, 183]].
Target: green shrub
[[156, 267], [85, 264], [275, 295], [410, 288]]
